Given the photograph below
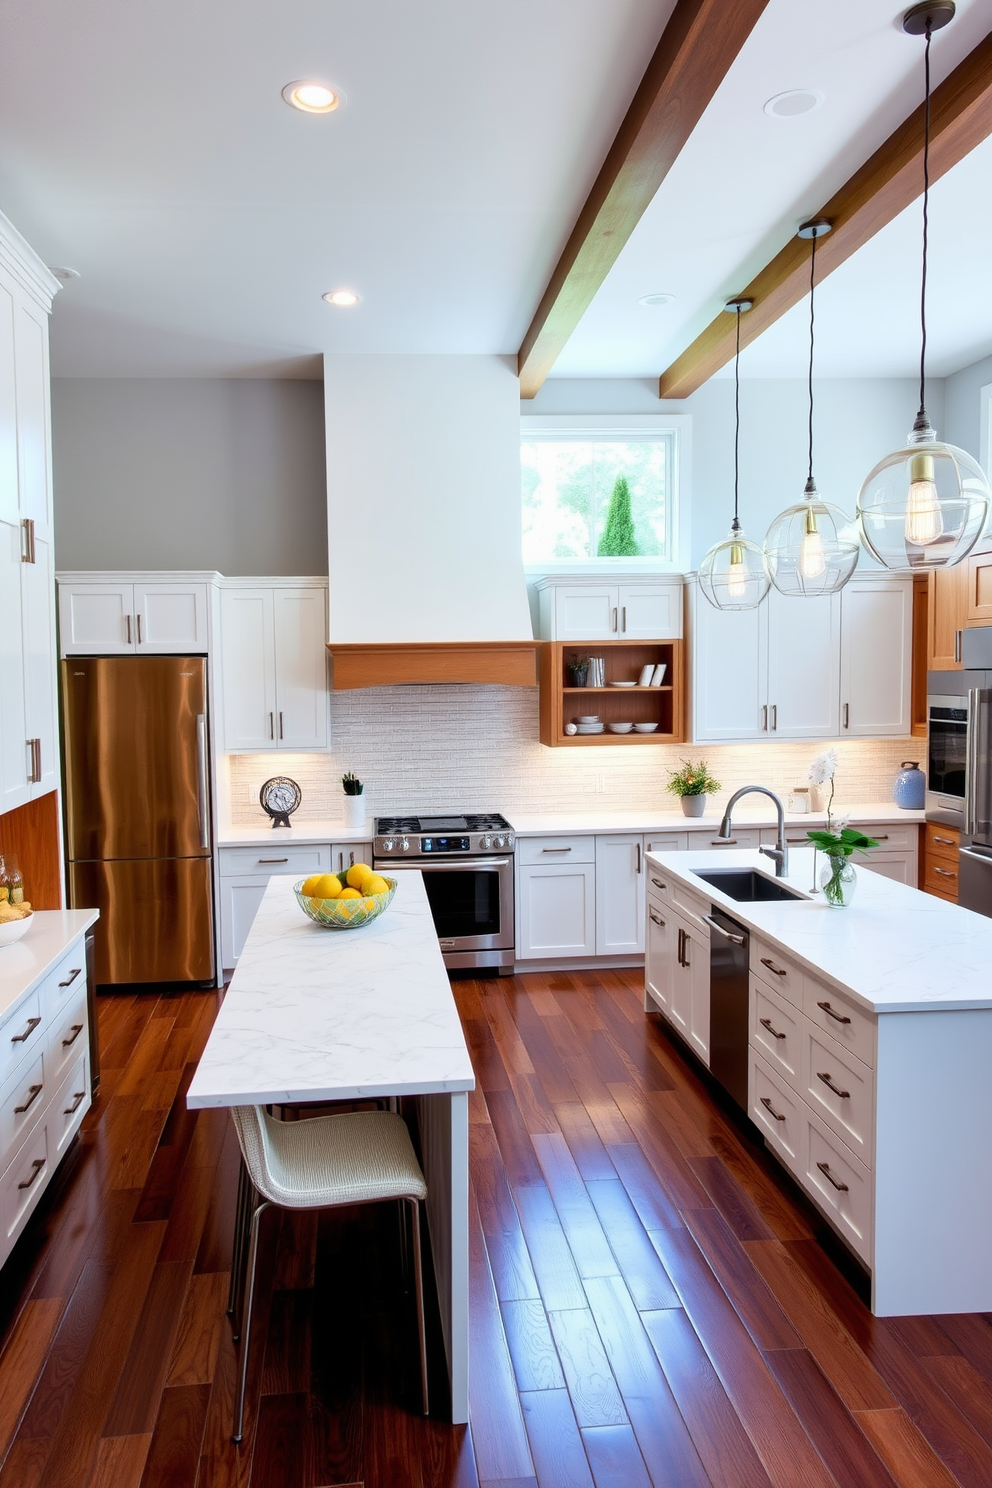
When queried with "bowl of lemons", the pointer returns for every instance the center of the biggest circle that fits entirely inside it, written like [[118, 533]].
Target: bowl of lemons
[[344, 901]]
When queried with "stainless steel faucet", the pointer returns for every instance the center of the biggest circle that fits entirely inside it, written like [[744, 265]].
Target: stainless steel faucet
[[779, 854]]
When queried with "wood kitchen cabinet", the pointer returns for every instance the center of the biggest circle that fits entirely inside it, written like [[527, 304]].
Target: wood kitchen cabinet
[[561, 703], [978, 598], [947, 600], [274, 665]]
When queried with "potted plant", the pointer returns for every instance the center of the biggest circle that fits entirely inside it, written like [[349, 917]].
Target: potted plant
[[692, 784], [354, 800], [578, 670], [837, 876]]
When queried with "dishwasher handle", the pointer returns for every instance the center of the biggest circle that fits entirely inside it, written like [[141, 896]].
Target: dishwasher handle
[[727, 935]]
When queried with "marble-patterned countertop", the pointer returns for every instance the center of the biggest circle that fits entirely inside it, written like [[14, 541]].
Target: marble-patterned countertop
[[28, 961], [757, 811], [892, 949], [314, 1014]]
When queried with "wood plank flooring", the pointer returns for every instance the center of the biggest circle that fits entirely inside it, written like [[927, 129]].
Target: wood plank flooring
[[652, 1306]]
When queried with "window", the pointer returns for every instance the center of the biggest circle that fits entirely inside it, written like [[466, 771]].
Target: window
[[600, 492]]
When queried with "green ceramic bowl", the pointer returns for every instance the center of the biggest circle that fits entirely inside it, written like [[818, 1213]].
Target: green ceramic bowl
[[344, 914]]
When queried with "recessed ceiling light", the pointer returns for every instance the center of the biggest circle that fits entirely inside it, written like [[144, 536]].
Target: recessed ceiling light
[[656, 299], [343, 297], [312, 98], [63, 273], [794, 102]]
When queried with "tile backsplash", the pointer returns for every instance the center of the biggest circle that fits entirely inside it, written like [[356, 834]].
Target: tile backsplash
[[476, 749]]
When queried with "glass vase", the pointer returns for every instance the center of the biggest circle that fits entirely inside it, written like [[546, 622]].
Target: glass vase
[[838, 879]]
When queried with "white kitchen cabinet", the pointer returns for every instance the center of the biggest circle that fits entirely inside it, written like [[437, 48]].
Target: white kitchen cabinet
[[244, 873], [620, 900], [728, 659], [592, 609], [803, 666], [660, 931], [346, 854], [677, 972], [120, 615], [876, 653], [274, 667], [556, 909]]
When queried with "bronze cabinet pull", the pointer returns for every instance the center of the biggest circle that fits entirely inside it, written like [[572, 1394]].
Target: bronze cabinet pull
[[70, 1110], [764, 717], [19, 1038], [767, 1103], [656, 881], [638, 869], [127, 622], [77, 1029], [272, 727], [847, 715], [774, 718], [724, 842], [837, 1017], [555, 849], [656, 918], [138, 622], [33, 1093], [280, 723], [778, 970], [825, 1077], [767, 1023], [882, 837], [273, 860], [623, 625], [36, 1168], [614, 618], [825, 1170], [71, 977]]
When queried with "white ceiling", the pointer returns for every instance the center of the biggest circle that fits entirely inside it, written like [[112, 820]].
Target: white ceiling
[[149, 148]]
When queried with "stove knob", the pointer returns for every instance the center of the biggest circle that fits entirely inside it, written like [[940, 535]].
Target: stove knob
[[388, 844], [486, 842], [405, 845], [509, 839]]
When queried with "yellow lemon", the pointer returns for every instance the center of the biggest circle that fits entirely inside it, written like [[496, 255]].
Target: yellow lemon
[[349, 894], [309, 886], [358, 873], [376, 884], [324, 886]]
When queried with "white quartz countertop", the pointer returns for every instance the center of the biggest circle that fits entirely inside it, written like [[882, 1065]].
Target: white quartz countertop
[[548, 824], [301, 833], [28, 961], [892, 949], [314, 1014]]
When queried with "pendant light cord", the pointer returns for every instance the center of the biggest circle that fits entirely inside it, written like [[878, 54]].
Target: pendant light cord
[[926, 227], [812, 280], [737, 415]]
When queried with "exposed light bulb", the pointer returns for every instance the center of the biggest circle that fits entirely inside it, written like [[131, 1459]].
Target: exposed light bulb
[[924, 523], [737, 573], [812, 562]]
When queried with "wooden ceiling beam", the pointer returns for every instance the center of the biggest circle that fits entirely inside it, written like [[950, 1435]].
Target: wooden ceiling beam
[[961, 118], [692, 58]]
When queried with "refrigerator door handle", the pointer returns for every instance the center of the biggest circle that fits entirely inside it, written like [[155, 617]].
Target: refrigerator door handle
[[979, 786], [201, 778]]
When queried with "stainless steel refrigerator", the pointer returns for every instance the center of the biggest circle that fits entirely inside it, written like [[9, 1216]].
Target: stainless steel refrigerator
[[138, 813]]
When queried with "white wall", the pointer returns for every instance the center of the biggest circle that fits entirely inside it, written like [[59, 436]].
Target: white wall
[[196, 473], [423, 499], [856, 423], [963, 413]]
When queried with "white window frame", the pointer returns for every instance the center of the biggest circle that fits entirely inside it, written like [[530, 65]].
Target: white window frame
[[615, 428]]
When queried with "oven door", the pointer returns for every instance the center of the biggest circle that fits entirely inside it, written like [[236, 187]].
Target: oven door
[[947, 759], [471, 901]]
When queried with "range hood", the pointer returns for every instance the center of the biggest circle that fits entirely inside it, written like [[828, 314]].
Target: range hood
[[424, 522]]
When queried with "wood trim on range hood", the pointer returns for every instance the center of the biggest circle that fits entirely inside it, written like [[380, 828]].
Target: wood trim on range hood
[[500, 663]]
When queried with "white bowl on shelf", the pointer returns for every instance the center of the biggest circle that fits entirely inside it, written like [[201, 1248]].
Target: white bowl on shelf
[[623, 684], [645, 728], [588, 718], [589, 728], [11, 930], [620, 728]]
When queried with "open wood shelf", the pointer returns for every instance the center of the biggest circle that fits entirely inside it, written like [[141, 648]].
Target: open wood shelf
[[624, 659]]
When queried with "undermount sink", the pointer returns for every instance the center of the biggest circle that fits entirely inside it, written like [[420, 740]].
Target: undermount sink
[[747, 886]]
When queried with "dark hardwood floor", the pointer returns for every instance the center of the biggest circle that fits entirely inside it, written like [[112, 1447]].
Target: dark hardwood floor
[[650, 1304]]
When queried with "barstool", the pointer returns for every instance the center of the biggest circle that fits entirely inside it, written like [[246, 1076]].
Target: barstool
[[321, 1163]]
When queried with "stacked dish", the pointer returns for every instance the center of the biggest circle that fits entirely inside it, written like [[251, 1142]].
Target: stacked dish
[[589, 724], [645, 728], [620, 728]]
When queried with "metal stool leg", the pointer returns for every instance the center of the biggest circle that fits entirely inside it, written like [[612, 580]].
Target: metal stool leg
[[419, 1275], [239, 1207], [239, 1405], [246, 1199]]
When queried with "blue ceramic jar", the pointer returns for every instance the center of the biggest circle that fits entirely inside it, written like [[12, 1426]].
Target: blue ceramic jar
[[910, 787]]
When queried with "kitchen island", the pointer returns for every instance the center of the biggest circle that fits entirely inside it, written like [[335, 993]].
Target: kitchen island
[[869, 1051], [317, 1015]]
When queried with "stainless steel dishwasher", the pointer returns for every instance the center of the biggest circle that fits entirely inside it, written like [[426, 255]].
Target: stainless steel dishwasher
[[729, 943]]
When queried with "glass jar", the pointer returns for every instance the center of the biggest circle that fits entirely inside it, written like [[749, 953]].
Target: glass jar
[[838, 879], [11, 882]]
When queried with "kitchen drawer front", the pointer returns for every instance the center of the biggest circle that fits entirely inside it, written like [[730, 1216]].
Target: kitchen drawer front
[[69, 1106], [942, 842], [841, 1185], [66, 980], [692, 906], [67, 1036], [777, 1030], [24, 1183], [942, 876], [24, 1101], [665, 842], [745, 837], [22, 1032], [777, 971], [841, 1090], [532, 850], [892, 836], [778, 1112], [849, 1026], [279, 858]]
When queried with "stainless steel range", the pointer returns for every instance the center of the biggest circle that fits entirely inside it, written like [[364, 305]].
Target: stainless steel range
[[467, 863]]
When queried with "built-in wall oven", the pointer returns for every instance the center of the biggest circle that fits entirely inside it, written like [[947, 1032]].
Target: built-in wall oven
[[467, 863]]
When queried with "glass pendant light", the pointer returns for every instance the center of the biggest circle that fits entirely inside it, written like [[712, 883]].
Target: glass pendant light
[[811, 548], [732, 575], [924, 506]]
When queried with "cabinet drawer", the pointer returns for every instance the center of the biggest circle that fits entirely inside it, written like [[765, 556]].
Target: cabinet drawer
[[556, 850], [778, 1112], [67, 1036], [24, 1101], [279, 858], [840, 1184], [775, 970], [776, 1029], [65, 980], [690, 905], [739, 837], [21, 1032], [942, 842], [848, 1025], [942, 875], [840, 1089], [24, 1182], [891, 836], [665, 842], [69, 1106]]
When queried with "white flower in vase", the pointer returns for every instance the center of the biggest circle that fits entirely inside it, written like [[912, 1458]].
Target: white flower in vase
[[823, 767]]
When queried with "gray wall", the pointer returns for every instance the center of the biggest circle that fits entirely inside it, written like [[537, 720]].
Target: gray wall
[[160, 473], [963, 409]]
